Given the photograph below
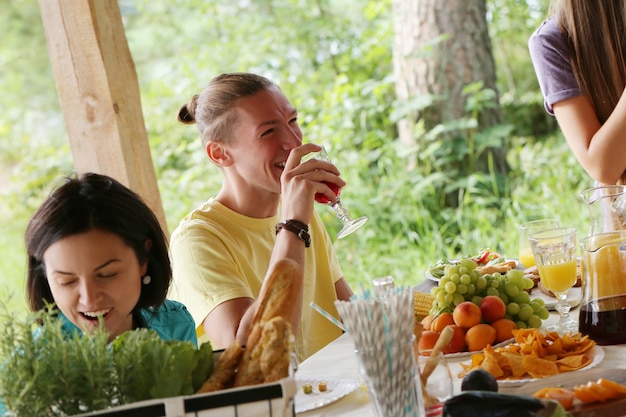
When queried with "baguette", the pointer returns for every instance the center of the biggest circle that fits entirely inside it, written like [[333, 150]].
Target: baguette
[[270, 336], [224, 371]]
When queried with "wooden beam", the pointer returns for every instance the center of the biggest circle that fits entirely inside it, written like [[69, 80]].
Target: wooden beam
[[99, 92]]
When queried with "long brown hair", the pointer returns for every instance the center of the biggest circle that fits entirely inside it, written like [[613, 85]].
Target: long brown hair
[[596, 34]]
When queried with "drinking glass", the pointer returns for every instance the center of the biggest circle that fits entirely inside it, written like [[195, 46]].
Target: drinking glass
[[526, 257], [555, 255], [349, 224], [439, 385]]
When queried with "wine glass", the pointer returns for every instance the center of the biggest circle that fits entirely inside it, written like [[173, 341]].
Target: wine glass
[[349, 224], [526, 256], [555, 255]]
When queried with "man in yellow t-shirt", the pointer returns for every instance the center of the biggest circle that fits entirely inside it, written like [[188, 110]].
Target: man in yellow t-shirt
[[217, 255], [264, 212]]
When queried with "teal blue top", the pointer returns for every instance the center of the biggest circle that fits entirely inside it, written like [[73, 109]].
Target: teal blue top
[[170, 320]]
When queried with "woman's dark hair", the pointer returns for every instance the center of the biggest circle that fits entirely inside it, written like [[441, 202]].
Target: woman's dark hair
[[93, 201]]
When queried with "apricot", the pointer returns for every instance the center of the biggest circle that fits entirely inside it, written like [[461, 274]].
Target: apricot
[[441, 321], [467, 315], [563, 395], [428, 340], [457, 343], [504, 329], [479, 336], [492, 308], [427, 322]]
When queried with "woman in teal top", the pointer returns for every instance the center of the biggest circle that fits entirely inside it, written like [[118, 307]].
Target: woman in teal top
[[97, 251]]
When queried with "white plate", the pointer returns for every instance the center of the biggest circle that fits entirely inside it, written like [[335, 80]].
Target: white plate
[[596, 353], [336, 389]]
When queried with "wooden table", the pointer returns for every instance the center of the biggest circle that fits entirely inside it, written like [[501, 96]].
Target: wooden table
[[338, 361]]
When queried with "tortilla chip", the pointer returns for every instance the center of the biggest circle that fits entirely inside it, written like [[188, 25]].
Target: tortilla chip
[[538, 367], [515, 363], [574, 362]]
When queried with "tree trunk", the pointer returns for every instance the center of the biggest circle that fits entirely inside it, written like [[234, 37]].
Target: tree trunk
[[439, 48]]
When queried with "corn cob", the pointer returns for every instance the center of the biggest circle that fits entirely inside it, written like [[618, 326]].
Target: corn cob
[[422, 304]]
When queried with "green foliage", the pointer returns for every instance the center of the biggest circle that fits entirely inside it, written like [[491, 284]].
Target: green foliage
[[45, 372], [333, 59], [149, 367]]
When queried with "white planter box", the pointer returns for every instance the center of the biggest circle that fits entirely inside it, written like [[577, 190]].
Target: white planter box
[[264, 400]]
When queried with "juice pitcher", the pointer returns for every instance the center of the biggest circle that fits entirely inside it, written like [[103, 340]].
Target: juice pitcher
[[607, 208], [603, 309]]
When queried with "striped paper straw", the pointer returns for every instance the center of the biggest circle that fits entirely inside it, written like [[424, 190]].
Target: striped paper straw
[[327, 315]]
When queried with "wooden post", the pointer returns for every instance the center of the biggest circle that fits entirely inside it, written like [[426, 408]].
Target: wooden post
[[99, 92]]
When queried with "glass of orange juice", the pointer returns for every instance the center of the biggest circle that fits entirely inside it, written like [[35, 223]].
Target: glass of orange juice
[[526, 256], [555, 253]]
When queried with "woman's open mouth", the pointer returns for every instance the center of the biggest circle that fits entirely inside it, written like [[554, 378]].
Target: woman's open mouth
[[95, 315]]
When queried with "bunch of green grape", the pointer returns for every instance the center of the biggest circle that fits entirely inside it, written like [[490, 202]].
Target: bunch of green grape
[[463, 282]]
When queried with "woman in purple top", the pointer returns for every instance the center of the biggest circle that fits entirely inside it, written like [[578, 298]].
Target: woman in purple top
[[579, 55]]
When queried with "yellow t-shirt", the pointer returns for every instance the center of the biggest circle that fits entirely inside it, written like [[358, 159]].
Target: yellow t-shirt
[[218, 255]]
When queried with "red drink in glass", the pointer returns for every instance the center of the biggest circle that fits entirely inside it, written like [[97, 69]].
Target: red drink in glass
[[321, 198]]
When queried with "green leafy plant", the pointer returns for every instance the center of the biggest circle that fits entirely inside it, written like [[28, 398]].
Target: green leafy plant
[[46, 373]]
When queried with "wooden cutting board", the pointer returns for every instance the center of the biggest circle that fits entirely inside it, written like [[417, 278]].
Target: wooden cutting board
[[611, 408]]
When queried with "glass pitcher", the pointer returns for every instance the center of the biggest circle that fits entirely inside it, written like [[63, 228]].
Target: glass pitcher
[[603, 309], [607, 208]]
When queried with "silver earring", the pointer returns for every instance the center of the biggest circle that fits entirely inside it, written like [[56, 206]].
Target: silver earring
[[146, 279]]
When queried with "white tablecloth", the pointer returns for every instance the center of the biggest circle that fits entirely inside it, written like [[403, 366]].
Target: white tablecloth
[[338, 361]]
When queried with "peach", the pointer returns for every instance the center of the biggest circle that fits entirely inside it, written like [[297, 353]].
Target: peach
[[441, 321], [479, 336], [427, 321], [428, 340], [504, 329], [492, 308], [467, 314], [457, 344]]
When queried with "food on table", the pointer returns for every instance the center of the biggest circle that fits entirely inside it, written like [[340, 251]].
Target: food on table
[[504, 329], [480, 336], [563, 395], [533, 355], [471, 324], [224, 369], [599, 391], [441, 321], [307, 388], [492, 308], [592, 392], [479, 380], [467, 315], [465, 282], [484, 257], [267, 355], [422, 303]]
